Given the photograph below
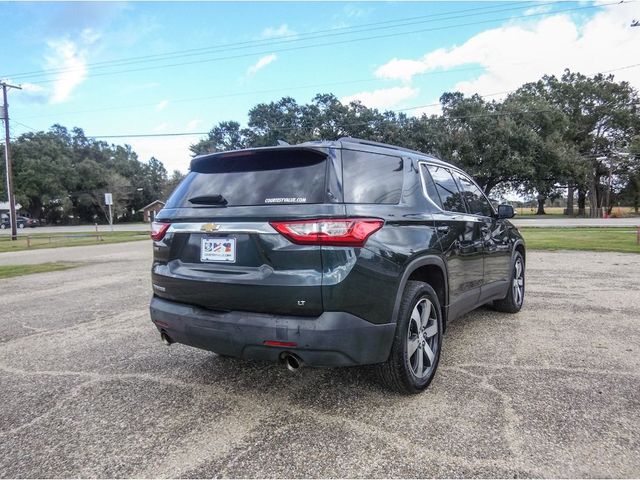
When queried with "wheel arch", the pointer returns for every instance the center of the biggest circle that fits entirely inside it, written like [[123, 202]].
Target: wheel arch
[[518, 246], [429, 269]]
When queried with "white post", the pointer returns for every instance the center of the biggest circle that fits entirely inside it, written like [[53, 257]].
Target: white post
[[108, 199]]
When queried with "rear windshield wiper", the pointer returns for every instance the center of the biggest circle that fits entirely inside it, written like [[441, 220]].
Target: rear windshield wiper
[[209, 200]]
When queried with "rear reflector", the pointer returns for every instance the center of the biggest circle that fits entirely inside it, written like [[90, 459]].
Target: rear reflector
[[158, 230], [349, 232], [274, 343]]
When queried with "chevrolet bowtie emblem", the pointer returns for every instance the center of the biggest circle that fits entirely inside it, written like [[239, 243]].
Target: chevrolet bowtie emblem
[[209, 227]]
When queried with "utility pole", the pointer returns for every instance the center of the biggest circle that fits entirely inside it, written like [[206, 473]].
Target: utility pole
[[7, 161]]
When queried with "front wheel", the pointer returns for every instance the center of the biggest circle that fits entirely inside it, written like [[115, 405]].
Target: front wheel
[[417, 343], [512, 303]]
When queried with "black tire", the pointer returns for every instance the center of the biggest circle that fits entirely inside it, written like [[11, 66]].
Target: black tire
[[512, 303], [398, 372], [3, 226]]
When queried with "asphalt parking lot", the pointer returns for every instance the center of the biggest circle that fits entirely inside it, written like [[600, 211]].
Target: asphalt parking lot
[[88, 390]]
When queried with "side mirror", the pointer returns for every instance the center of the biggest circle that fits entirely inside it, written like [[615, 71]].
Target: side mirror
[[505, 211]]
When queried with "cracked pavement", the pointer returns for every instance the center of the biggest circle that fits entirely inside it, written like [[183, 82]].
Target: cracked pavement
[[88, 389]]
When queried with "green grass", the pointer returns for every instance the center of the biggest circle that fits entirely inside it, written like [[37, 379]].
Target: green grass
[[596, 239], [71, 239], [558, 212], [7, 271]]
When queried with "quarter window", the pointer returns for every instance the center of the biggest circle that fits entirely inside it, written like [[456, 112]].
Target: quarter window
[[477, 203], [430, 186], [371, 178], [447, 189]]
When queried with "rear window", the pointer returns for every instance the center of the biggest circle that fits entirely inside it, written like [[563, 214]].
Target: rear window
[[371, 178], [254, 178]]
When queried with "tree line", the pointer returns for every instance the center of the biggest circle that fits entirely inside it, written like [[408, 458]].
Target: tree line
[[574, 132], [61, 176]]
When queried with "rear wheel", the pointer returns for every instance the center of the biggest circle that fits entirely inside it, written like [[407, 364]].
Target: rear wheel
[[417, 343], [512, 303]]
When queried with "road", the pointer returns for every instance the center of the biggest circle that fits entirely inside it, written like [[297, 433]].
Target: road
[[121, 227], [88, 390], [519, 222], [576, 222]]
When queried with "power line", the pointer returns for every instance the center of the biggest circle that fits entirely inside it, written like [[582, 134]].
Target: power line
[[283, 39], [26, 126], [416, 107], [298, 87], [257, 92], [345, 126], [341, 42]]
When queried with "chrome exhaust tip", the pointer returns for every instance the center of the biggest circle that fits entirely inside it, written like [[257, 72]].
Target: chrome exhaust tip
[[166, 339], [292, 362]]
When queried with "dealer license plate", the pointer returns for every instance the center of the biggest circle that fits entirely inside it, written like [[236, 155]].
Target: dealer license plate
[[218, 250]]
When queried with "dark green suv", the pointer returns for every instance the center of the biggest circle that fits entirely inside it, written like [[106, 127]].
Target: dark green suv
[[330, 254]]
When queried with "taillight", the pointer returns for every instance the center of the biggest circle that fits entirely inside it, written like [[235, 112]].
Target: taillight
[[351, 232], [158, 230]]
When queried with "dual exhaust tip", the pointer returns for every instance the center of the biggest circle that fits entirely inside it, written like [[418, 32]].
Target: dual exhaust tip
[[290, 360]]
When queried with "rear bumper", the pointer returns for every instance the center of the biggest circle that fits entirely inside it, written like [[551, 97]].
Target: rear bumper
[[330, 340]]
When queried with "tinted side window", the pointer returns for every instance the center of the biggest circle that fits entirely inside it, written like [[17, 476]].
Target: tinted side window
[[371, 178], [447, 189], [432, 192], [476, 201]]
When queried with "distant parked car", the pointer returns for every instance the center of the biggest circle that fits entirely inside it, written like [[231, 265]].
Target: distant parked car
[[22, 222]]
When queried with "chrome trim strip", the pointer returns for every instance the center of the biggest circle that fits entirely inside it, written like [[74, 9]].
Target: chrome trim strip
[[223, 227]]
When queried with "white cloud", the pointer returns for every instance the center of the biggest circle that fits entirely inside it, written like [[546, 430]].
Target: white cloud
[[173, 152], [399, 69], [89, 36], [32, 93], [537, 10], [162, 105], [260, 64], [382, 98], [193, 124], [161, 127], [66, 56], [275, 32], [522, 52], [67, 59]]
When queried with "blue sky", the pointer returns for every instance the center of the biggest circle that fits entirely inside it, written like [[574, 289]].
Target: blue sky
[[258, 52]]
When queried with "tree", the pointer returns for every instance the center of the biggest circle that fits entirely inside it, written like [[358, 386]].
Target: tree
[[602, 118], [225, 136], [176, 177], [61, 174], [42, 170], [482, 138]]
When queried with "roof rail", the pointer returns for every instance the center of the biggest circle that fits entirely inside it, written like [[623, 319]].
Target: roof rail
[[379, 144]]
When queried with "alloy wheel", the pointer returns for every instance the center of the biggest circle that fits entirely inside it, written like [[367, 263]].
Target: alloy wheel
[[422, 338], [518, 282]]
